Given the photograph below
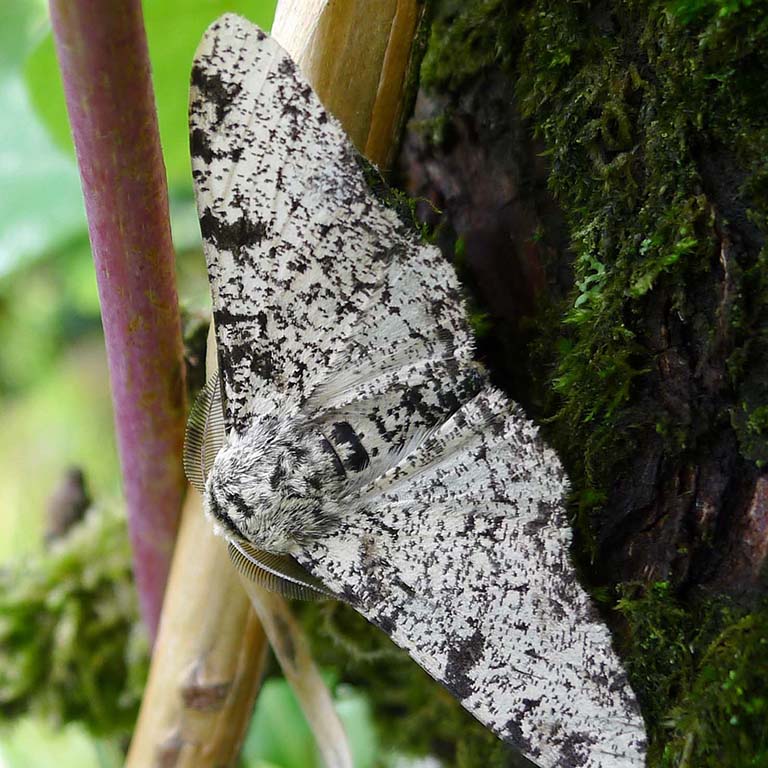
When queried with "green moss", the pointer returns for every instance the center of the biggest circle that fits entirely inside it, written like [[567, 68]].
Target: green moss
[[626, 95], [699, 671], [466, 38], [632, 97], [723, 719], [71, 646], [660, 657], [414, 714]]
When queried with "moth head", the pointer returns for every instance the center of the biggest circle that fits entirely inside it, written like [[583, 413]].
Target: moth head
[[273, 485]]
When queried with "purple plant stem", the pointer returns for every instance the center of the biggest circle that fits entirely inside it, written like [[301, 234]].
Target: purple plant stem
[[102, 51]]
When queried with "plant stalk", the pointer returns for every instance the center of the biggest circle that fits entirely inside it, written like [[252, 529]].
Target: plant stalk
[[102, 52]]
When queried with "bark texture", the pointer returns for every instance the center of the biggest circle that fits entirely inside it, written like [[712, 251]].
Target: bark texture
[[599, 172], [687, 488]]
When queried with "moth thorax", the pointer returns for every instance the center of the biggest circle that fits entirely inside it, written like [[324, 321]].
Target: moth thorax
[[275, 485]]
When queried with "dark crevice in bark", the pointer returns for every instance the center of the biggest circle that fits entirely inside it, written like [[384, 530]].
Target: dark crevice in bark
[[483, 184]]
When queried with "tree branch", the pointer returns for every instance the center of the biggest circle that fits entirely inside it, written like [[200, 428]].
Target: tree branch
[[358, 55]]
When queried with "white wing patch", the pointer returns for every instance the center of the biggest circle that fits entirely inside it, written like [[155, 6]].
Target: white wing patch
[[452, 535], [295, 244]]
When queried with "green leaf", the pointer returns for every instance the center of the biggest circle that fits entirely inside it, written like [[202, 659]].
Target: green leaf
[[22, 22], [41, 203], [279, 734], [35, 744], [174, 29]]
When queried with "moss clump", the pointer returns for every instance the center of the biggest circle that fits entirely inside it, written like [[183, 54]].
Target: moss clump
[[710, 662], [71, 646], [660, 662], [467, 38], [723, 718], [627, 109], [628, 96]]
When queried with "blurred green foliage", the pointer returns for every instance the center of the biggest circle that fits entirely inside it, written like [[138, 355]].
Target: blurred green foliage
[[55, 403], [34, 743], [72, 650], [53, 381], [174, 29], [40, 202], [63, 419], [279, 735], [71, 645]]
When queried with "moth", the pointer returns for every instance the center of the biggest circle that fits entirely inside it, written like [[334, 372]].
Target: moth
[[353, 448]]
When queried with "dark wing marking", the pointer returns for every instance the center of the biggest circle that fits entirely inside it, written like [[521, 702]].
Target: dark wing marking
[[408, 364]]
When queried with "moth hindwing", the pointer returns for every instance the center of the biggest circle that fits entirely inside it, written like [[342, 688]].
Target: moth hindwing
[[365, 441]]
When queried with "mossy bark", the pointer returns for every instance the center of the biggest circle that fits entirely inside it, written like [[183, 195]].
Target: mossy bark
[[600, 171]]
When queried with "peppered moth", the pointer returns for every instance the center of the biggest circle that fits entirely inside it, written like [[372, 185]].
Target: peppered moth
[[354, 448]]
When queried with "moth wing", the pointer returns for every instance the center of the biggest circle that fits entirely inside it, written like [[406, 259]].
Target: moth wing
[[407, 366], [295, 243], [460, 554]]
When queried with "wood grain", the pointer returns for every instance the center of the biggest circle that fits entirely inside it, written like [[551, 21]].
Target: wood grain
[[357, 54]]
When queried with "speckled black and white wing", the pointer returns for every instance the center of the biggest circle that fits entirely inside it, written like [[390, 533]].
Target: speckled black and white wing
[[296, 245], [460, 553], [406, 366]]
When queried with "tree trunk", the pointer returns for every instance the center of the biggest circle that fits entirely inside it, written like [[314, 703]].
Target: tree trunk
[[600, 174]]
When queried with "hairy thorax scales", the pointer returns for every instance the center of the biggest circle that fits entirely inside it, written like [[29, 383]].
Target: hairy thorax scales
[[277, 485]]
